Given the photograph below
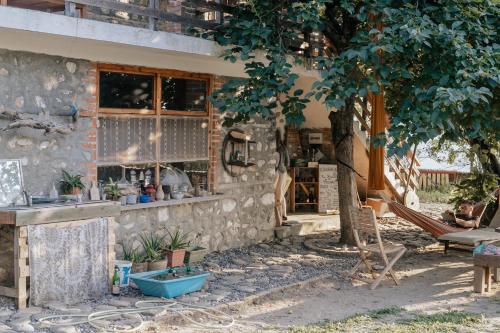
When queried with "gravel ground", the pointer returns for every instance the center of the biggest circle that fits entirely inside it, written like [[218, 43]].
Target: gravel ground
[[236, 274]]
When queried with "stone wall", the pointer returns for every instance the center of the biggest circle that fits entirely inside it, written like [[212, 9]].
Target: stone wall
[[243, 216], [46, 87]]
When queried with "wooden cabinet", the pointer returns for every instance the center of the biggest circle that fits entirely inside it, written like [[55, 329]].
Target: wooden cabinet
[[313, 189], [304, 189]]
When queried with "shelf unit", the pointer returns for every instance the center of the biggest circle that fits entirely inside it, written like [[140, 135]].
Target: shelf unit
[[304, 180]]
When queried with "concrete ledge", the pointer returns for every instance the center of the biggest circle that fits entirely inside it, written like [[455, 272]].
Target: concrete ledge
[[172, 202]]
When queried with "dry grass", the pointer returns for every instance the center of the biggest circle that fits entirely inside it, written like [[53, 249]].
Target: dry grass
[[394, 321]]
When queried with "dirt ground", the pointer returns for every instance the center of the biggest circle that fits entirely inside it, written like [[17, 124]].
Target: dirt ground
[[430, 283]]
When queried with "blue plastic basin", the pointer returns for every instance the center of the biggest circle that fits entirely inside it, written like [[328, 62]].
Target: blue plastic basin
[[170, 288]]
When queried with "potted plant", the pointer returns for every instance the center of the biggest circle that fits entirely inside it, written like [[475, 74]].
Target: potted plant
[[71, 184], [195, 254], [154, 246], [133, 255], [176, 249], [112, 190]]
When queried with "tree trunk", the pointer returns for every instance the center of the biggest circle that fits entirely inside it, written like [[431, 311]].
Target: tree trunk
[[342, 137]]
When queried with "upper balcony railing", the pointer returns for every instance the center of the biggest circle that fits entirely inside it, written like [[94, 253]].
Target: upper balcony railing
[[186, 17]]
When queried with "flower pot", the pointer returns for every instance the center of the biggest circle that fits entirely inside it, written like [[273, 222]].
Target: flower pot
[[195, 256], [131, 199], [176, 257], [139, 267], [76, 191], [157, 265]]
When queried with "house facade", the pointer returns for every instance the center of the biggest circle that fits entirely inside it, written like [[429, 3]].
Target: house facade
[[135, 101], [129, 84]]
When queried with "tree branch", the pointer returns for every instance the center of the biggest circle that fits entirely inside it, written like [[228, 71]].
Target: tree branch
[[20, 120]]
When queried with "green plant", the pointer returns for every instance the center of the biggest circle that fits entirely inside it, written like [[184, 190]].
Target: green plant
[[477, 187], [112, 190], [70, 182], [136, 256], [154, 246], [127, 251], [178, 240], [440, 194], [130, 254]]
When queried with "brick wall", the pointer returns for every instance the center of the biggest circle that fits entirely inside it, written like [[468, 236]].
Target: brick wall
[[326, 148], [88, 109], [215, 135]]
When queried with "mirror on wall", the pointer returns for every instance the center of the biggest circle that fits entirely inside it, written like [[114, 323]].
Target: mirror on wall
[[11, 183]]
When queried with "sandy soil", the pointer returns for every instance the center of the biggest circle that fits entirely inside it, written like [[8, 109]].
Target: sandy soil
[[430, 282]]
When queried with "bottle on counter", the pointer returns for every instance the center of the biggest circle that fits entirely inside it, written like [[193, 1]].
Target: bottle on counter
[[53, 194], [115, 290]]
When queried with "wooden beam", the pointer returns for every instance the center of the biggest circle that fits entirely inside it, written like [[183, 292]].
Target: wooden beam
[[66, 213], [8, 292], [21, 271], [7, 217]]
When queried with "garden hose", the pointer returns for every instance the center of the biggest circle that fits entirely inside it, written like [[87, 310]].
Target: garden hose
[[185, 310]]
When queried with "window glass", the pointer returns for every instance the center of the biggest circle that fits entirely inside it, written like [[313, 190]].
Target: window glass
[[183, 94], [126, 91]]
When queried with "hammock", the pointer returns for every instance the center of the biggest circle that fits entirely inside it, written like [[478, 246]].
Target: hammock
[[435, 227]]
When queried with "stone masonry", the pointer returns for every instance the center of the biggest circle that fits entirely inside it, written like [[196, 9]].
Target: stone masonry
[[47, 86], [243, 216]]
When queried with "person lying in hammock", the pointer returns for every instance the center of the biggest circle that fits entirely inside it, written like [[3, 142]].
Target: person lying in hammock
[[463, 218]]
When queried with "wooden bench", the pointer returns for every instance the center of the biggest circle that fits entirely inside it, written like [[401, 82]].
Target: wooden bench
[[484, 267]]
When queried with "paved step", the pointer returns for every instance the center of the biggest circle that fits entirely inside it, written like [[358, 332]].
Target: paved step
[[313, 223]]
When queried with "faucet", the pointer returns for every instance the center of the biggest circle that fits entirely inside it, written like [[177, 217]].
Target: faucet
[[28, 198]]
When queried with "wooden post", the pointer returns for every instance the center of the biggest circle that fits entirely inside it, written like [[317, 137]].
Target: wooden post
[[3, 2], [69, 8], [479, 279], [21, 269], [111, 249]]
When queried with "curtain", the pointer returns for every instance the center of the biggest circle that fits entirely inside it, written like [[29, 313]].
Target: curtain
[[68, 261]]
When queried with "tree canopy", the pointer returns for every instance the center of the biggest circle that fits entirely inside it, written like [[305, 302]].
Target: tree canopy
[[436, 59]]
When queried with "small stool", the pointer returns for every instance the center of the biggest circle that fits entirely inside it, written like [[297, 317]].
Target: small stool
[[483, 266]]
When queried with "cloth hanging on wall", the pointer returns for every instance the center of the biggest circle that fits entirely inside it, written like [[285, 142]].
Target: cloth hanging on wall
[[376, 179], [68, 261]]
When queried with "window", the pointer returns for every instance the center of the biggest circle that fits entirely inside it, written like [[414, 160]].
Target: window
[[125, 91], [183, 95], [142, 132]]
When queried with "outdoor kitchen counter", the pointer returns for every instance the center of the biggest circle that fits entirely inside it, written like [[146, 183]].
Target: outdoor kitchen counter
[[52, 213], [21, 217]]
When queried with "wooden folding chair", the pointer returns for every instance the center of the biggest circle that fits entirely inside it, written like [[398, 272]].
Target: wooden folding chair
[[370, 244]]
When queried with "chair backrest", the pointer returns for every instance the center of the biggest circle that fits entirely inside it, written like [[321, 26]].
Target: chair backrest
[[364, 224]]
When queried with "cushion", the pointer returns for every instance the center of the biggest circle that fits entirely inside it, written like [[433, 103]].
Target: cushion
[[472, 237]]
